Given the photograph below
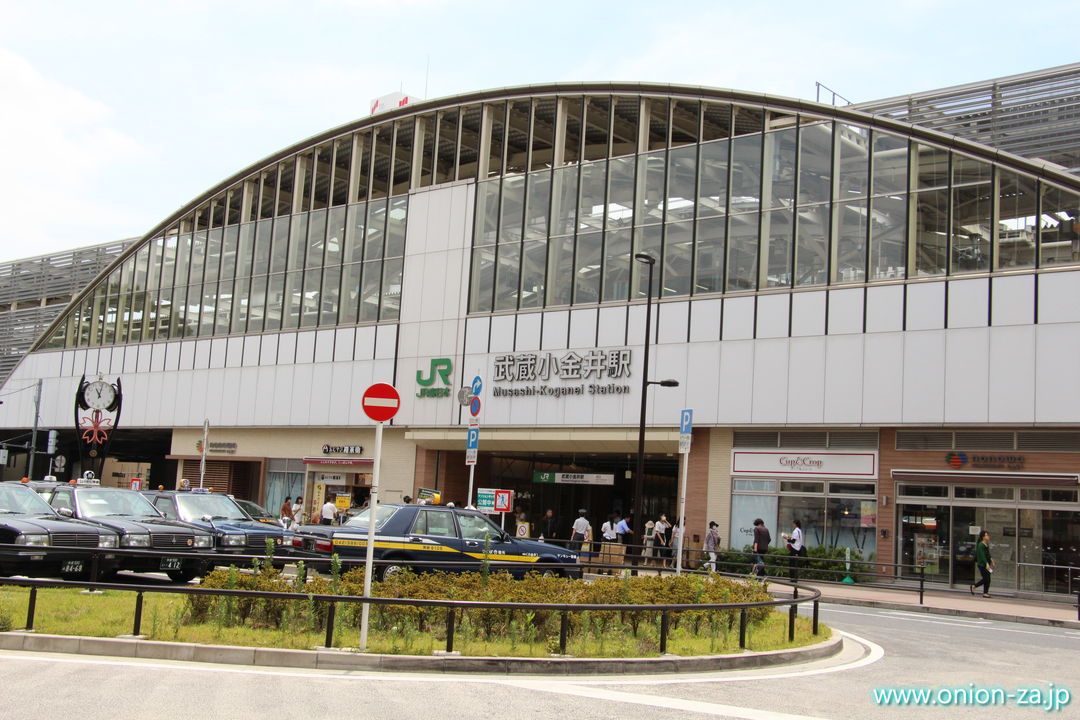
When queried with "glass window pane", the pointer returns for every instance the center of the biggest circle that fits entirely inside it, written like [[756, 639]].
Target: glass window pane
[[427, 126], [482, 279], [1016, 222], [715, 121], [375, 231], [888, 234], [620, 197], [587, 272], [969, 170], [498, 136], [297, 242], [286, 186], [268, 193], [851, 228], [617, 245], [658, 123], [311, 298], [572, 116], [971, 228], [597, 127], [890, 163], [512, 212], [853, 163], [245, 251], [776, 234], [335, 233], [809, 511], [748, 120], [852, 524], [591, 206], [353, 249], [229, 243], [240, 302], [746, 174], [198, 257], [564, 200], [223, 307], [712, 193], [517, 137], [543, 134], [649, 199], [328, 301], [685, 117], [624, 125], [342, 168], [380, 166], [362, 170], [403, 147], [486, 223], [537, 205], [261, 252], [209, 308], [292, 298], [678, 244], [780, 161], [560, 265], [469, 151], [391, 289], [743, 233], [395, 227], [179, 312], [648, 240], [213, 255], [931, 166], [350, 293], [681, 184], [815, 163], [533, 270], [1059, 227], [324, 159], [812, 246], [709, 260], [507, 275], [316, 239], [930, 227], [268, 292]]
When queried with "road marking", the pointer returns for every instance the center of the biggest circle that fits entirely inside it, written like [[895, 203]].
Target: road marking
[[922, 616], [982, 624]]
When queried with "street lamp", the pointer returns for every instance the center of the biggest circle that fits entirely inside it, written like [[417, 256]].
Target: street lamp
[[639, 476]]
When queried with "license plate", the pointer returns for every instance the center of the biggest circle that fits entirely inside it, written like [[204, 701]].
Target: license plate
[[72, 567], [170, 563]]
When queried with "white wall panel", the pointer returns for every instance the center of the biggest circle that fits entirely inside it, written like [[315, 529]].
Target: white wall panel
[[883, 378], [1012, 374], [843, 379], [234, 352], [89, 362], [134, 386], [305, 347], [525, 411], [969, 303], [364, 348], [67, 363], [144, 355], [218, 347], [269, 396], [187, 355], [527, 333], [362, 378], [556, 330], [1012, 300], [808, 314], [738, 318], [885, 308], [773, 316], [229, 412], [245, 404], [1057, 383], [612, 327], [117, 366], [476, 334], [131, 360], [202, 354], [344, 340], [166, 410], [196, 392], [705, 320], [770, 381], [340, 393], [736, 381], [173, 353], [502, 333], [282, 390], [967, 375], [674, 322], [668, 361], [322, 376], [703, 380], [268, 352], [926, 306], [806, 380], [583, 328], [324, 346], [78, 363], [1059, 297], [924, 376], [252, 345], [286, 352], [846, 311], [51, 363]]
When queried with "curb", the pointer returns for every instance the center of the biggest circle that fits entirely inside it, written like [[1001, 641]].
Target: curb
[[323, 659], [929, 609]]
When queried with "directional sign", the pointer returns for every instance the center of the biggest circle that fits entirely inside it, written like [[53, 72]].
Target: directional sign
[[381, 402], [474, 407], [472, 443], [477, 385], [686, 428]]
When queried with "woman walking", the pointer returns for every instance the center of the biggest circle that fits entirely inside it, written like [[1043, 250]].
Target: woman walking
[[712, 541], [984, 562]]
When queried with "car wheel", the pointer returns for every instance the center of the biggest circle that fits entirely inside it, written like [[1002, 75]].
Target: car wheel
[[182, 576], [549, 572], [388, 571]]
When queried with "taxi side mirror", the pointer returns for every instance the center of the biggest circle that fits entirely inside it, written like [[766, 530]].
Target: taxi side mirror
[[66, 512], [207, 518]]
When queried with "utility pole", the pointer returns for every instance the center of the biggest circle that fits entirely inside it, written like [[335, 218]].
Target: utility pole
[[33, 433]]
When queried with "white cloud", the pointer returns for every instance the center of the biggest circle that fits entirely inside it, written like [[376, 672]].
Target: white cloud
[[55, 147]]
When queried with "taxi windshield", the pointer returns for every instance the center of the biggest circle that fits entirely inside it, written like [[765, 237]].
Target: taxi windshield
[[383, 513], [20, 500], [193, 506], [102, 503]]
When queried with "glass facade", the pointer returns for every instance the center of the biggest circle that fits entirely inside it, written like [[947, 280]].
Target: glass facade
[[730, 197]]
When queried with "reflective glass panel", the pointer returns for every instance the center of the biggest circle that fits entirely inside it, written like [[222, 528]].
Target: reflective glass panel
[[572, 116], [517, 137], [350, 293], [375, 232], [297, 242], [685, 118], [715, 121], [507, 275], [851, 229], [486, 224], [316, 239], [286, 185], [709, 261], [591, 205], [371, 291], [335, 235], [620, 197], [1059, 227], [391, 289], [597, 124], [812, 246], [353, 249], [469, 150], [712, 191], [324, 159], [362, 170], [890, 163], [648, 240], [543, 133], [328, 300], [853, 146], [498, 131], [512, 212], [293, 299], [533, 268], [649, 199], [776, 251], [381, 164], [561, 270], [681, 184], [564, 200], [537, 205], [229, 243], [617, 244], [743, 233], [482, 278], [746, 174], [930, 229], [587, 272], [279, 252], [241, 300], [815, 162], [624, 125], [342, 167], [1016, 222], [395, 226], [268, 292], [971, 228], [678, 258], [780, 161], [658, 123], [403, 148], [888, 235], [968, 170], [245, 250], [931, 166]]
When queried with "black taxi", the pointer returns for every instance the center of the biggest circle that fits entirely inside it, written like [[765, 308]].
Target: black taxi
[[458, 539]]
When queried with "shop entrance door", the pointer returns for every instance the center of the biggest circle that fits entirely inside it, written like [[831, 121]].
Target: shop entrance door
[[925, 540], [967, 523]]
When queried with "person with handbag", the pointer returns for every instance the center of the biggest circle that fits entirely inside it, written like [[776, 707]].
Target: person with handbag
[[984, 562], [762, 539], [712, 542], [795, 547]]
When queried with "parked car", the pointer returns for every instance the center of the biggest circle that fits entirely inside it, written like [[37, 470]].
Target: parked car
[[140, 526], [29, 522], [412, 535], [257, 512], [234, 530]]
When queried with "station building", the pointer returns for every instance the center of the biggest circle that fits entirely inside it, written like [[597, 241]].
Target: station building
[[875, 323]]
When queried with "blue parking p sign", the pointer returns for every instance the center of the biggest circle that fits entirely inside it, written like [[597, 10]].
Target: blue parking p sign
[[686, 422]]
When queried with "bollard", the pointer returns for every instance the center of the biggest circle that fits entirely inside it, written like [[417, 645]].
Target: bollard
[[564, 627], [30, 608], [95, 571], [138, 614], [815, 617], [450, 617], [922, 582], [665, 621], [742, 628], [1078, 604], [791, 622], [330, 613]]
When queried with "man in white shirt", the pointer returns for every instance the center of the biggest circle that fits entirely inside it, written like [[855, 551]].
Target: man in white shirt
[[329, 509], [580, 530]]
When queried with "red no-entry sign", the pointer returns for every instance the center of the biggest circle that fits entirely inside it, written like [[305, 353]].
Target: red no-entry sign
[[381, 402]]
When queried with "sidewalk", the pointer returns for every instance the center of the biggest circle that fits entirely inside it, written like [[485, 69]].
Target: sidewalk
[[949, 602]]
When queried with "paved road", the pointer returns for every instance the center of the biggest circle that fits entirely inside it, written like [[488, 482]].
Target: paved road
[[900, 649]]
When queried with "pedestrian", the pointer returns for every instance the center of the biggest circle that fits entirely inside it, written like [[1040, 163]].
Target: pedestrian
[[407, 500], [675, 548], [762, 540], [984, 562], [623, 531], [712, 542], [285, 511], [548, 527], [607, 530], [297, 513], [660, 541], [796, 548], [579, 533], [329, 510]]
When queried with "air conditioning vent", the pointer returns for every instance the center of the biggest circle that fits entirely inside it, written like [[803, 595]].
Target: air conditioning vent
[[984, 440], [911, 440], [1048, 441], [756, 439], [853, 439], [803, 439]]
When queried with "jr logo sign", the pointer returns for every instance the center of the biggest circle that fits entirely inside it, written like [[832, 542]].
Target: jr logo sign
[[441, 369]]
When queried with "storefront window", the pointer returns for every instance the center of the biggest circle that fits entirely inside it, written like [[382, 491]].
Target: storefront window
[[925, 540]]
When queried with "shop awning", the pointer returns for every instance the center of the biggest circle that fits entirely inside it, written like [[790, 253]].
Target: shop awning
[[989, 478]]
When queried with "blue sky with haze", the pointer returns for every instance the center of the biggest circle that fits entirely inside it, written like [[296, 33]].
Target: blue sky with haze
[[113, 114]]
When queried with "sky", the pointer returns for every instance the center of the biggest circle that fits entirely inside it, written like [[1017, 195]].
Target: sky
[[116, 113]]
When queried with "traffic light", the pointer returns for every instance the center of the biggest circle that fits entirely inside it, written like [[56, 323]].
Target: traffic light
[[50, 449]]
